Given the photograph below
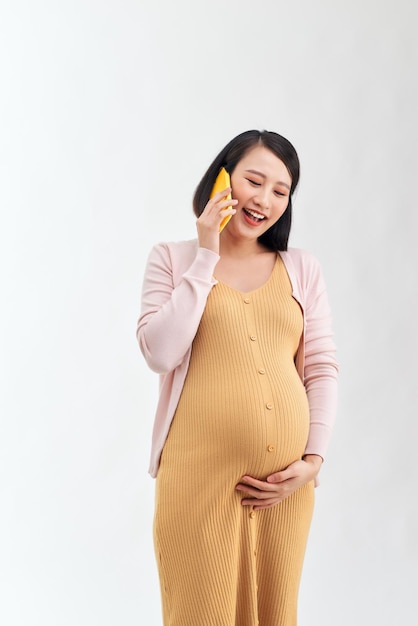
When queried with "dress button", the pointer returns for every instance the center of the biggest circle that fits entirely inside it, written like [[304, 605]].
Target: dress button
[[247, 300], [270, 448], [252, 514], [269, 406], [261, 371], [253, 337]]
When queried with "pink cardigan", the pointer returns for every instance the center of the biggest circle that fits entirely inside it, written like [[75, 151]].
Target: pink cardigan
[[178, 279]]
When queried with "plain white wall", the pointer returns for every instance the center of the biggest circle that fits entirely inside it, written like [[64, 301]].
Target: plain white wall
[[110, 113]]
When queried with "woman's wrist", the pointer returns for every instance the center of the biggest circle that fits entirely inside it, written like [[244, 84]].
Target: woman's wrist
[[313, 459]]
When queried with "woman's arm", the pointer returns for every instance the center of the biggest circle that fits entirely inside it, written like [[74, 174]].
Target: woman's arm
[[170, 315], [321, 368]]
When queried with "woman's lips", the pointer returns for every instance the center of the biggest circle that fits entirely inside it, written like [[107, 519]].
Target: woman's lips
[[253, 217]]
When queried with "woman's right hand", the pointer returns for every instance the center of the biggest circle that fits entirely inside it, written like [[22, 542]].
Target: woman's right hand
[[211, 217]]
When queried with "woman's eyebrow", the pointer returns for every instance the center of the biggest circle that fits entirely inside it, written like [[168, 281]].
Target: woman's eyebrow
[[279, 182]]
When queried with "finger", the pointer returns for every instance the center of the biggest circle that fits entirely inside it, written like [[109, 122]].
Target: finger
[[222, 194], [262, 504], [255, 482], [219, 197], [268, 499], [228, 211], [224, 204], [256, 492], [267, 504], [213, 207], [278, 477]]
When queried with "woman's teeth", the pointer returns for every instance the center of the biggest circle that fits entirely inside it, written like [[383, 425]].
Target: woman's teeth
[[254, 215]]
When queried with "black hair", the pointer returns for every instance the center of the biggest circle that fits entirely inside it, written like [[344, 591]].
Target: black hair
[[277, 236]]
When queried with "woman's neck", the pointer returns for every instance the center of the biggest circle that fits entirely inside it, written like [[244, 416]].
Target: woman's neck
[[239, 249]]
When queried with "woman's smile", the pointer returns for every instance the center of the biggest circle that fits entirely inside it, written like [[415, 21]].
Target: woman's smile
[[253, 217]]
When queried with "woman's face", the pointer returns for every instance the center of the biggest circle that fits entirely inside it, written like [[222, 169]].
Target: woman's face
[[261, 184]]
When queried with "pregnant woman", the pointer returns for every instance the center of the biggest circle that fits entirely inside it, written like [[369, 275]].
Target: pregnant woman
[[238, 327]]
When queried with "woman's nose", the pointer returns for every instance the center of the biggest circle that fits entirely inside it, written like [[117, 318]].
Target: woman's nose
[[261, 198]]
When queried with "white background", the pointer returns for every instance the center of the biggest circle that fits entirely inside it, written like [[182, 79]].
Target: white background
[[110, 113]]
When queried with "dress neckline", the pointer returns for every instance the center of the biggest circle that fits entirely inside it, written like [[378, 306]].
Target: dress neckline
[[253, 291]]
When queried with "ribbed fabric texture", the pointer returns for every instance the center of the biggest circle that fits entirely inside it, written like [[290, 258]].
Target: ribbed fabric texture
[[243, 410]]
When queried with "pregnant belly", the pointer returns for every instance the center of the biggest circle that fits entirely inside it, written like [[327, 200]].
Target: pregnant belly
[[247, 428]]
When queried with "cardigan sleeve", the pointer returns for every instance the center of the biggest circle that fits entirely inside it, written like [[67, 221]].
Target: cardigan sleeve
[[320, 368], [170, 313]]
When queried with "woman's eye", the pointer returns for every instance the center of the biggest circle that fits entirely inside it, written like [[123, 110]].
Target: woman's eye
[[279, 193], [253, 182]]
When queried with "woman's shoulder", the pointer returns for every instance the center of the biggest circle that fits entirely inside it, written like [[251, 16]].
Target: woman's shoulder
[[304, 269], [174, 251], [301, 259], [177, 257], [177, 247]]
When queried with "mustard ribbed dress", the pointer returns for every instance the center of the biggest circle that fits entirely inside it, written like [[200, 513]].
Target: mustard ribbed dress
[[243, 410]]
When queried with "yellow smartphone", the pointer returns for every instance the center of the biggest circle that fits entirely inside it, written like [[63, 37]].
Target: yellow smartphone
[[222, 182]]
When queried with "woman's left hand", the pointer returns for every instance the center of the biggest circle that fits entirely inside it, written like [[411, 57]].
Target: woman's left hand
[[263, 494]]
